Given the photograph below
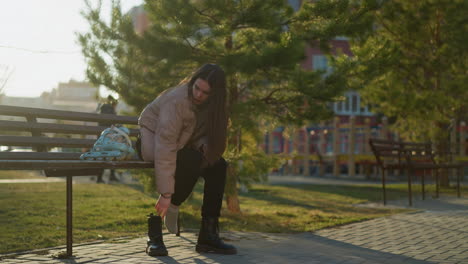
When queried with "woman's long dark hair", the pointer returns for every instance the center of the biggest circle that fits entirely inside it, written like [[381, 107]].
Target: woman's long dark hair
[[216, 125]]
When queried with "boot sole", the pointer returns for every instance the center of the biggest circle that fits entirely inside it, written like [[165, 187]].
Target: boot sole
[[209, 249], [156, 253]]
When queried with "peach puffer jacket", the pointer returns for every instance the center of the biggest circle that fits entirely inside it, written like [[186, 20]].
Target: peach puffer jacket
[[172, 119]]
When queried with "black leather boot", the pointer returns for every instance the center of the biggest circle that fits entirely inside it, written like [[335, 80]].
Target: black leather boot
[[209, 240], [155, 242]]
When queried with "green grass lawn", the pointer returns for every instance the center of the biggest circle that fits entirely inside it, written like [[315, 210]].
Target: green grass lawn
[[32, 216], [13, 174]]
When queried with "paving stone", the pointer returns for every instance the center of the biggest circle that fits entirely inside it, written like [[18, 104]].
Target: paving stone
[[436, 234]]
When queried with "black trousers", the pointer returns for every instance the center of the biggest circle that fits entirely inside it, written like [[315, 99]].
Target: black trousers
[[188, 170]]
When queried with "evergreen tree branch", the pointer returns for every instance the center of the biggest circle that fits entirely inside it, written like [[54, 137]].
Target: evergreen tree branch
[[201, 13]]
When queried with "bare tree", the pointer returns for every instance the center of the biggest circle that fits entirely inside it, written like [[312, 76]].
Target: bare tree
[[5, 74]]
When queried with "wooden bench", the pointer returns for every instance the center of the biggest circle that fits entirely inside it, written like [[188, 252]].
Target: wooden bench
[[56, 140], [410, 158]]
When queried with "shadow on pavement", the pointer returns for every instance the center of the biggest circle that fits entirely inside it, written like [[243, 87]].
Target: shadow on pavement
[[311, 248]]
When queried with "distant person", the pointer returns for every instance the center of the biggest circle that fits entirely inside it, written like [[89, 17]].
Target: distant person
[[108, 108]]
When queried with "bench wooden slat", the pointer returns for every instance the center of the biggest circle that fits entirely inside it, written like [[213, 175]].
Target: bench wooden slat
[[57, 128], [39, 155], [66, 115], [416, 144], [389, 154], [50, 127], [386, 148], [75, 164], [73, 172], [19, 141], [376, 141], [389, 157]]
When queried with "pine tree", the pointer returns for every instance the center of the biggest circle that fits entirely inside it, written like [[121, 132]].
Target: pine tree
[[410, 61], [257, 43]]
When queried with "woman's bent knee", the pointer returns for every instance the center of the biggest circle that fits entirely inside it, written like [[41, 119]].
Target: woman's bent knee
[[189, 158]]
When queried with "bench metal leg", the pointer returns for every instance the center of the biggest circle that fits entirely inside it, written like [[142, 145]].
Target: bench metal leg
[[178, 225], [459, 174], [383, 187], [422, 183], [410, 200], [69, 216]]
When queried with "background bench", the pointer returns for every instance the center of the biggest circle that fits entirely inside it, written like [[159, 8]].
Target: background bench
[[53, 141], [410, 158]]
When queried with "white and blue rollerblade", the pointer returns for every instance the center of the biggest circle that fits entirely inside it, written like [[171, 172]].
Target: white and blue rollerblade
[[112, 144]]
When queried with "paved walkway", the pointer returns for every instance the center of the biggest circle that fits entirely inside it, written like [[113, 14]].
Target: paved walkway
[[437, 233]]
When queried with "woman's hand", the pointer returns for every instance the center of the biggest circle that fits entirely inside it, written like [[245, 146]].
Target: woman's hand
[[161, 205]]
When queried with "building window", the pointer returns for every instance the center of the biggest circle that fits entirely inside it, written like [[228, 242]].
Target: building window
[[346, 108], [354, 103], [295, 4], [319, 62]]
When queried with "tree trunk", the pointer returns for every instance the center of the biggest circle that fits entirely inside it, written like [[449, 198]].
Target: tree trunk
[[232, 199], [444, 176], [442, 144], [231, 193]]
